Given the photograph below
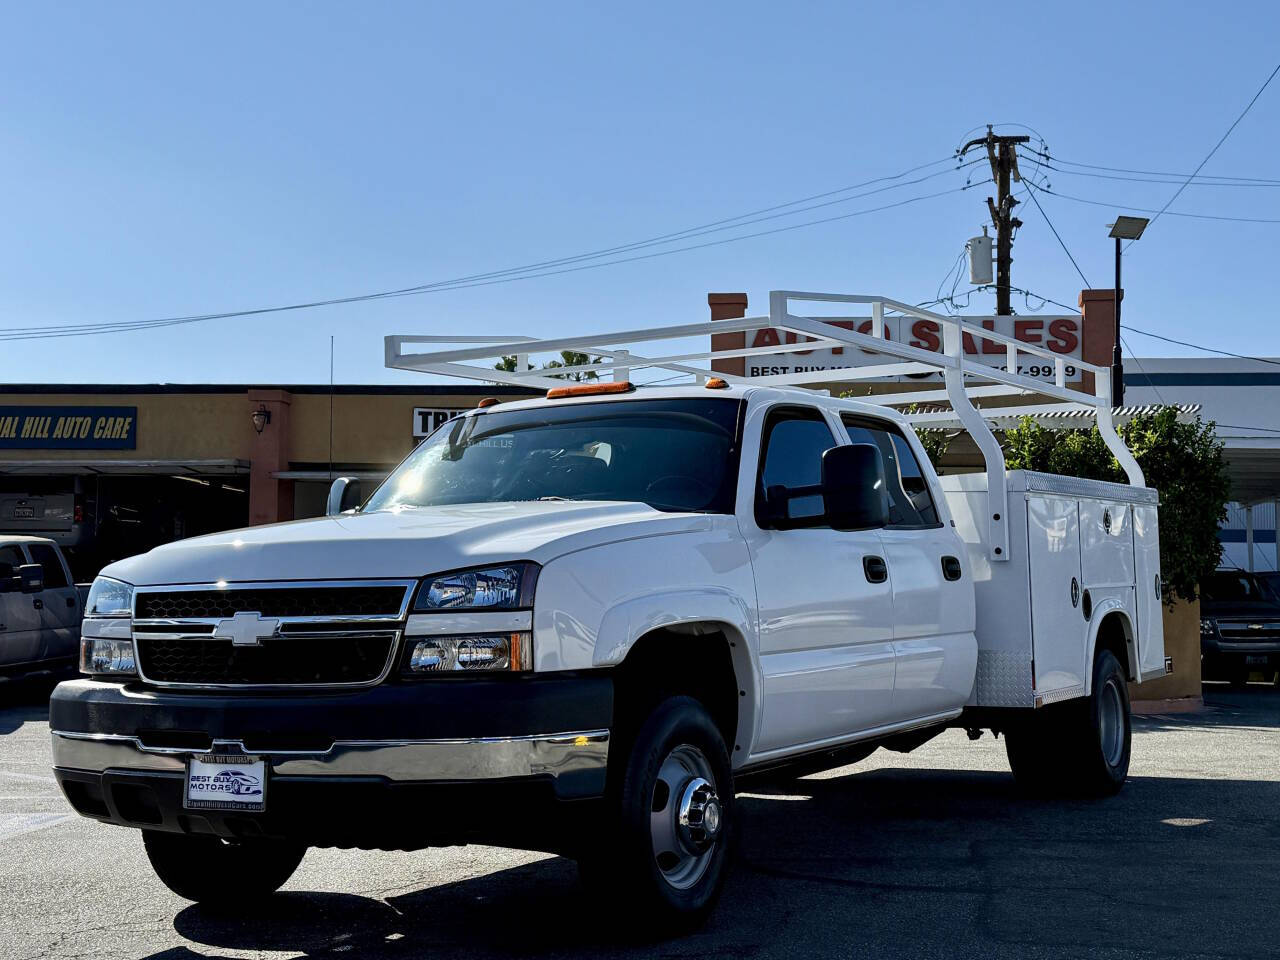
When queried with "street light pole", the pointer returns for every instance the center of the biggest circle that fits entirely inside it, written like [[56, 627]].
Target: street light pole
[[1117, 362], [1125, 228]]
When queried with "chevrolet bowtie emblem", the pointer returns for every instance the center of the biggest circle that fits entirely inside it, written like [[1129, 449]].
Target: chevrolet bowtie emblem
[[246, 629], [1255, 626]]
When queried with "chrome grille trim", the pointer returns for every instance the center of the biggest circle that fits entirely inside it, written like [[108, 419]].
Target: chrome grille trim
[[390, 625]]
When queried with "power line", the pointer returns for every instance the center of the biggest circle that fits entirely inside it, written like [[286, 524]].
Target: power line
[[511, 273], [1153, 173], [1167, 213], [1196, 346], [1198, 182], [1032, 193], [44, 333], [528, 271], [1221, 140]]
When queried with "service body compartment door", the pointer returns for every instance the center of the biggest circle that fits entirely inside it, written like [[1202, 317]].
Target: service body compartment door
[[1059, 631], [1106, 533], [1150, 630]]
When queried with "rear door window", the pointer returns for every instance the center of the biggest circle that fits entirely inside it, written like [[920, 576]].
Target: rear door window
[[54, 576], [910, 503]]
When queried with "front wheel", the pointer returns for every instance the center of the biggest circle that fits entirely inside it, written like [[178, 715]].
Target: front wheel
[[669, 821], [211, 870]]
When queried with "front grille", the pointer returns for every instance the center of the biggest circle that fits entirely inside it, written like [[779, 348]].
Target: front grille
[[1249, 630], [289, 660], [310, 601]]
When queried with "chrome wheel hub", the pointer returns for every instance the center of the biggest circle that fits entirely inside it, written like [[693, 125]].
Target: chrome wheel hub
[[686, 816], [1111, 723], [698, 815]]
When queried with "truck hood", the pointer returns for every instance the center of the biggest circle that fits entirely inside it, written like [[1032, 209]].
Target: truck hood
[[400, 543]]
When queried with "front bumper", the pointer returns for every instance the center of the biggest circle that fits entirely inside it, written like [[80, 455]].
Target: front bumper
[[383, 766]]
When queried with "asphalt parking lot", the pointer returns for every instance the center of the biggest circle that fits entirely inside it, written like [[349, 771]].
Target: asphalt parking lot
[[932, 854]]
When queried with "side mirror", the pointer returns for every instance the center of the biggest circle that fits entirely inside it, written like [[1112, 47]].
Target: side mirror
[[31, 577], [854, 493], [344, 495]]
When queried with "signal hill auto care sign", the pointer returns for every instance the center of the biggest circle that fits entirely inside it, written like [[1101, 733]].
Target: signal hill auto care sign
[[1058, 334]]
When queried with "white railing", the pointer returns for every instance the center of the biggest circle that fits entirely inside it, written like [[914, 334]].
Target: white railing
[[963, 380]]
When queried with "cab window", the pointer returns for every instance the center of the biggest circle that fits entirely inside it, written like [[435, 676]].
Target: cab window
[[47, 557], [910, 503], [794, 441]]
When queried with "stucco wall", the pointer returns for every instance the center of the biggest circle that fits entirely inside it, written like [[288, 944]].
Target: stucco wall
[[1182, 642]]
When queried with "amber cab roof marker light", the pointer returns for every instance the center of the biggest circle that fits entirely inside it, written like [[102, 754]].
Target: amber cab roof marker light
[[590, 389], [487, 402], [716, 383]]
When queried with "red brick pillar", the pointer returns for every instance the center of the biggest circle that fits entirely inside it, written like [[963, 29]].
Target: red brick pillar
[[270, 499], [728, 306], [1097, 329]]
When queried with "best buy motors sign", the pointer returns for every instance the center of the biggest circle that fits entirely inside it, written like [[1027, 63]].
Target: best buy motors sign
[[1060, 335], [68, 428]]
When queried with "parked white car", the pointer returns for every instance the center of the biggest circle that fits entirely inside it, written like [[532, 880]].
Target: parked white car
[[40, 607], [569, 623]]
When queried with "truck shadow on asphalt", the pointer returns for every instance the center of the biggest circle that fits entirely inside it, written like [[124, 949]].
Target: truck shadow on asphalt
[[888, 862]]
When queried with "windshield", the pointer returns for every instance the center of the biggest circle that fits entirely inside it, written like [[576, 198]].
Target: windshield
[[679, 454], [1234, 586]]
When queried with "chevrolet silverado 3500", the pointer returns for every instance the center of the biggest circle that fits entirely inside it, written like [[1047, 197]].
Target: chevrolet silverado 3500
[[568, 623]]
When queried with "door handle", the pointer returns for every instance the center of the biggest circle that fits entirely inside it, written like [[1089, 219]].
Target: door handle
[[951, 569], [38, 603], [876, 570]]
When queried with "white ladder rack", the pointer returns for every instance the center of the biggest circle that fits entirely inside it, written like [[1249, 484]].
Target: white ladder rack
[[963, 380]]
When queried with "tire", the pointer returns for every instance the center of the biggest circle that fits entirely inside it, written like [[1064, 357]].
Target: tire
[[215, 871], [660, 871], [1106, 742], [1080, 748]]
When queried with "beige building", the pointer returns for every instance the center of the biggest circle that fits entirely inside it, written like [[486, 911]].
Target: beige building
[[110, 470]]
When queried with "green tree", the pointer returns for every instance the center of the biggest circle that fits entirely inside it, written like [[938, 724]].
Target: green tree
[[508, 363], [1183, 461], [571, 358]]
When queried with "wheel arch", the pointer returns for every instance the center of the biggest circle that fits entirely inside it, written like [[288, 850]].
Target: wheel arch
[[707, 659], [1112, 629]]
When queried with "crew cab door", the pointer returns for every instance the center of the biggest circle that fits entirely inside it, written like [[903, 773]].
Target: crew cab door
[[825, 604], [933, 601], [20, 634], [58, 602]]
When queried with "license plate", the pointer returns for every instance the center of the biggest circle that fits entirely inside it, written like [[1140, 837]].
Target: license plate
[[24, 513], [226, 783], [1255, 661]]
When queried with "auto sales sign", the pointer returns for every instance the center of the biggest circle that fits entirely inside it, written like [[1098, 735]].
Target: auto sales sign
[[1060, 335]]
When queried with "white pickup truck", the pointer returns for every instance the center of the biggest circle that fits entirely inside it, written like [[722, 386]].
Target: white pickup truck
[[569, 623]]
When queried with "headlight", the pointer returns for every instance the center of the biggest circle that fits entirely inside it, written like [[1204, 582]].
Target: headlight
[[103, 656], [109, 598], [1208, 627], [498, 651], [506, 587]]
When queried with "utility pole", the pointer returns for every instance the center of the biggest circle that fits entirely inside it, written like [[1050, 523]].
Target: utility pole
[[1003, 155]]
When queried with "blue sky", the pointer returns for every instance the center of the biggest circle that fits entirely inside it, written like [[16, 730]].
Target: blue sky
[[163, 159]]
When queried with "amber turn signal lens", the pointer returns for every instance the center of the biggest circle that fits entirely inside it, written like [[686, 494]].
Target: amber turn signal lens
[[715, 383]]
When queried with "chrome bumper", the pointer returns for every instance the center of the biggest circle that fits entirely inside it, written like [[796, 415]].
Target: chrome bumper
[[575, 761]]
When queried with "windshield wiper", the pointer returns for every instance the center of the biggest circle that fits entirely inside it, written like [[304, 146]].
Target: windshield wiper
[[564, 499]]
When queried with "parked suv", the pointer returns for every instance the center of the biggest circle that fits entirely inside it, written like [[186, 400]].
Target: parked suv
[[1239, 627]]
